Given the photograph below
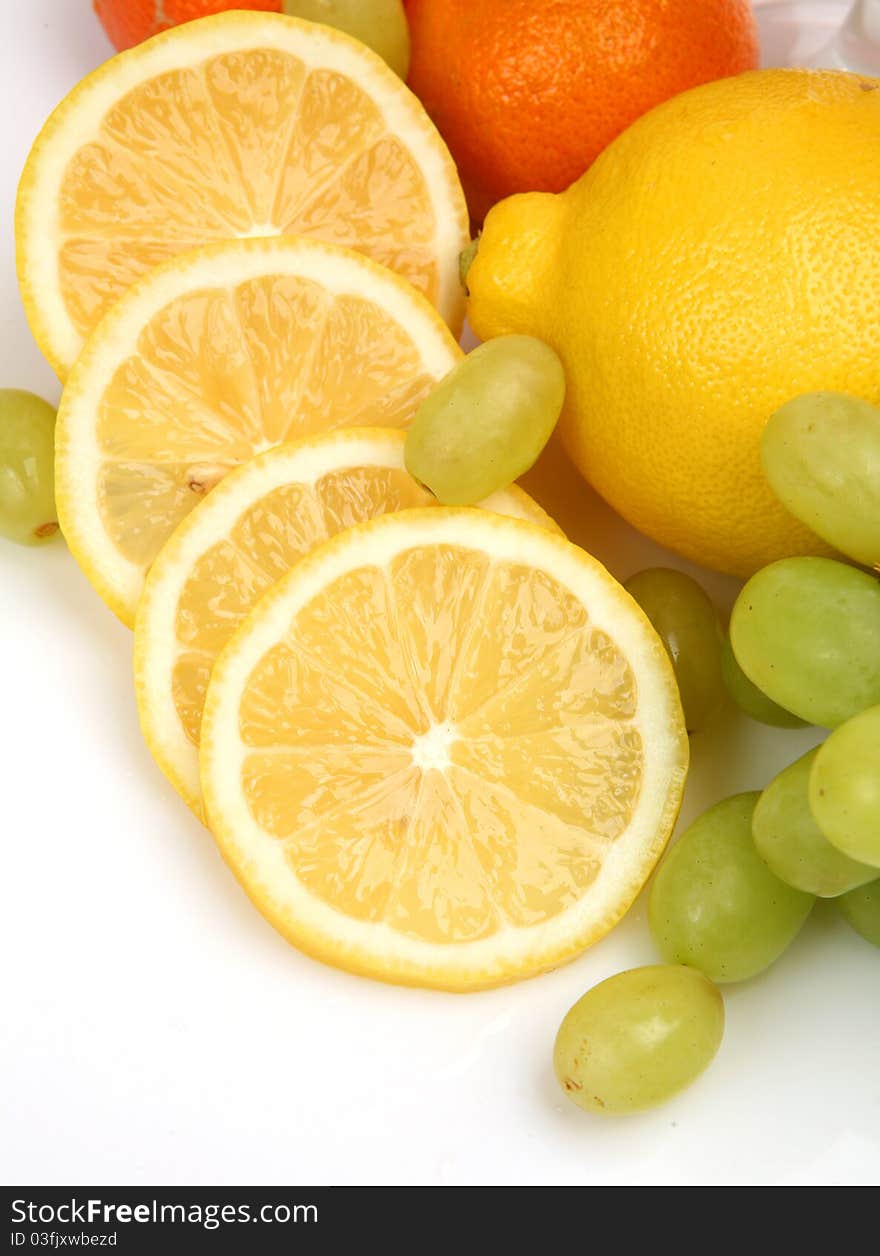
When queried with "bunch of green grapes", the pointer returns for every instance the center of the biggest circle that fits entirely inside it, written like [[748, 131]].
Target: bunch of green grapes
[[806, 632], [803, 648]]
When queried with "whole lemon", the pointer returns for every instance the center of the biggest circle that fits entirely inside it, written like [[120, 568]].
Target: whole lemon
[[720, 257]]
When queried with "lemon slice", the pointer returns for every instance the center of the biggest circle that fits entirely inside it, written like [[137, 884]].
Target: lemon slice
[[215, 356], [247, 534], [237, 125], [445, 749]]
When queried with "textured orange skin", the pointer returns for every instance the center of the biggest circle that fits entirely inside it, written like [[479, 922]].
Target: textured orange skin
[[129, 22], [527, 93]]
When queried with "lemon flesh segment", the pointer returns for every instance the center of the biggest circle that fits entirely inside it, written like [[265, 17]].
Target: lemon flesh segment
[[243, 537], [446, 749], [213, 357], [237, 125]]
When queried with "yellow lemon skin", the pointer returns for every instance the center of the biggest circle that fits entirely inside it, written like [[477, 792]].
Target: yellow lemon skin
[[720, 257]]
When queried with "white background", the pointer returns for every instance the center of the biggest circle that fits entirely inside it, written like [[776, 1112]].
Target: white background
[[156, 1031]]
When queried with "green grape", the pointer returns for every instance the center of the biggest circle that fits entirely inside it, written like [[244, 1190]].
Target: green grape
[[27, 468], [791, 843], [687, 624], [845, 787], [821, 456], [380, 24], [749, 698], [716, 905], [861, 909], [466, 260], [638, 1038], [806, 631], [486, 422]]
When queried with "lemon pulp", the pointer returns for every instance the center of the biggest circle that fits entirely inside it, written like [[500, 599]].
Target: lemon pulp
[[445, 745]]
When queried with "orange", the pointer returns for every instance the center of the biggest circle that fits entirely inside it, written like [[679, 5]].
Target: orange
[[527, 93], [129, 22]]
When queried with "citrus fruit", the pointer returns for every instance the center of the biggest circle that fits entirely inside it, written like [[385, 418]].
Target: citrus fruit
[[129, 22], [719, 258], [445, 749], [242, 538], [244, 124], [527, 95], [212, 358]]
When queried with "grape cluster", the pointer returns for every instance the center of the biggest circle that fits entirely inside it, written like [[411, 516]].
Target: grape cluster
[[803, 648]]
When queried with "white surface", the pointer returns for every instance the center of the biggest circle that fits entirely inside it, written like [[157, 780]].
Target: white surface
[[155, 1030]]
